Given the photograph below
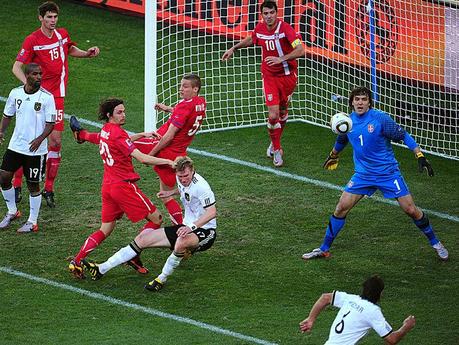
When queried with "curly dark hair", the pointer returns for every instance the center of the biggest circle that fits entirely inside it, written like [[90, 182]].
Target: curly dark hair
[[107, 106], [372, 289], [360, 91], [48, 6]]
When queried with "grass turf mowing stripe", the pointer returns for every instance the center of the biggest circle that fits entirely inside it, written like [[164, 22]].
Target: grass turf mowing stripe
[[134, 306]]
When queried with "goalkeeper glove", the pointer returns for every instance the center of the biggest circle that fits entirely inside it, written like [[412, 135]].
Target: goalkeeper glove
[[423, 163], [331, 163]]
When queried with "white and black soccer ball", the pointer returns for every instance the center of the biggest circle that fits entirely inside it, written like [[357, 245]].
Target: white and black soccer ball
[[340, 123]]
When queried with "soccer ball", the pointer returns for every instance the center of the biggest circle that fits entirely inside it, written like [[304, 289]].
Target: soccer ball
[[340, 123]]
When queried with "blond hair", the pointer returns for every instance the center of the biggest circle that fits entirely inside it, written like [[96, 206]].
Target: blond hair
[[182, 162]]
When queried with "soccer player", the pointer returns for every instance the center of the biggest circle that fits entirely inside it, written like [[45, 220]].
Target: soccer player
[[375, 168], [281, 46], [197, 233], [50, 47], [171, 140], [357, 315], [120, 194], [35, 115]]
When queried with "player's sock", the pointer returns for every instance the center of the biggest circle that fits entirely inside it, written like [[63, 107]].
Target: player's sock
[[424, 225], [274, 130], [171, 264], [175, 211], [52, 167], [150, 225], [283, 122], [89, 245], [123, 255], [17, 180], [10, 200], [35, 204], [89, 136], [335, 225]]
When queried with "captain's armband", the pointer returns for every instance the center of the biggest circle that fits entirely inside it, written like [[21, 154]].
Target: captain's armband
[[296, 43]]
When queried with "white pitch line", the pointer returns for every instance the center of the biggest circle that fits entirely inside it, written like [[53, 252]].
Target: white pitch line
[[280, 173], [136, 307]]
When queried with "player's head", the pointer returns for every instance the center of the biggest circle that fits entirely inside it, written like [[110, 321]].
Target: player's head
[[270, 4], [268, 11], [372, 289], [361, 94], [47, 14], [33, 74], [112, 108], [184, 169], [190, 86]]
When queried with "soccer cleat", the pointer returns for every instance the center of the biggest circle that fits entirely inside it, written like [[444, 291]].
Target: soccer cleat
[[137, 264], [75, 126], [8, 219], [441, 251], [277, 158], [316, 254], [76, 270], [28, 227], [155, 285], [18, 194], [49, 198], [92, 268], [270, 151]]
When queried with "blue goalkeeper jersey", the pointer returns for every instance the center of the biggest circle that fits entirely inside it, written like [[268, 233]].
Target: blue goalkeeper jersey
[[370, 138]]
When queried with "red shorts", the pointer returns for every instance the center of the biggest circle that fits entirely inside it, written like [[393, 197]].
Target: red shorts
[[125, 198], [279, 89], [165, 173], [59, 125]]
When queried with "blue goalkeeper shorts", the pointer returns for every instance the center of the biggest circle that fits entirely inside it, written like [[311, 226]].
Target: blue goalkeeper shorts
[[391, 186]]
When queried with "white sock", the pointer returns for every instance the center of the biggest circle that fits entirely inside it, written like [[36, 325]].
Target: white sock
[[10, 199], [121, 256], [35, 204], [171, 264]]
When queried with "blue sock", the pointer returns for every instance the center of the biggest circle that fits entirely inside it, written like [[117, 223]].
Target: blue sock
[[335, 225], [424, 225]]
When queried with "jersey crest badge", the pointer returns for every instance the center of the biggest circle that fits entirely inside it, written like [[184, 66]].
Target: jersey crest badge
[[37, 106], [22, 52], [371, 128], [270, 97], [187, 197]]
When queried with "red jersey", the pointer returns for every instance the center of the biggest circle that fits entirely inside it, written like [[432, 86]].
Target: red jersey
[[115, 149], [187, 115], [277, 42], [52, 55]]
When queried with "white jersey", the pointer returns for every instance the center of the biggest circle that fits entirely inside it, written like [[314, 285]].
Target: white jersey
[[355, 318], [195, 199], [32, 112]]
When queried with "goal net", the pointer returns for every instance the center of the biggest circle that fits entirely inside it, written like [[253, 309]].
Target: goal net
[[407, 52]]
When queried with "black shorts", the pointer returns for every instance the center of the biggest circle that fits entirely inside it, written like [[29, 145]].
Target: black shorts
[[33, 166], [206, 237]]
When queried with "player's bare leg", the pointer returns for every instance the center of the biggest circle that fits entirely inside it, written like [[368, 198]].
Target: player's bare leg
[[52, 166], [421, 220]]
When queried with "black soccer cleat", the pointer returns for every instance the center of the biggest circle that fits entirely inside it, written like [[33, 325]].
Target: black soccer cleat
[[49, 198], [75, 126], [155, 285], [92, 268]]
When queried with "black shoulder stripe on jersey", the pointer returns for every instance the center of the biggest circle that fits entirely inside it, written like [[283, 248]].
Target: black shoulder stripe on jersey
[[194, 180], [333, 298]]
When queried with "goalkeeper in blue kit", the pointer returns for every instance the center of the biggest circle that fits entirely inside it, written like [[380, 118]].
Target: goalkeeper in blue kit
[[375, 168]]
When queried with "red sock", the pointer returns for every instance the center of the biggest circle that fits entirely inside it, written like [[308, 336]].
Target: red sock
[[91, 243], [89, 136], [17, 180], [275, 130], [175, 211], [52, 167], [150, 225]]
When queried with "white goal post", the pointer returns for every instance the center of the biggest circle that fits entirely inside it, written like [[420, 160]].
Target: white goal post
[[413, 68]]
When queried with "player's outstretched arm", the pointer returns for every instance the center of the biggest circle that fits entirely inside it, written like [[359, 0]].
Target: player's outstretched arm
[[246, 42], [74, 51], [150, 160], [324, 300], [396, 336]]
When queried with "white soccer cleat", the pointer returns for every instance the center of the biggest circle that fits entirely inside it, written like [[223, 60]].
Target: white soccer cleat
[[8, 219], [441, 251], [270, 151], [277, 158], [28, 227], [316, 254]]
